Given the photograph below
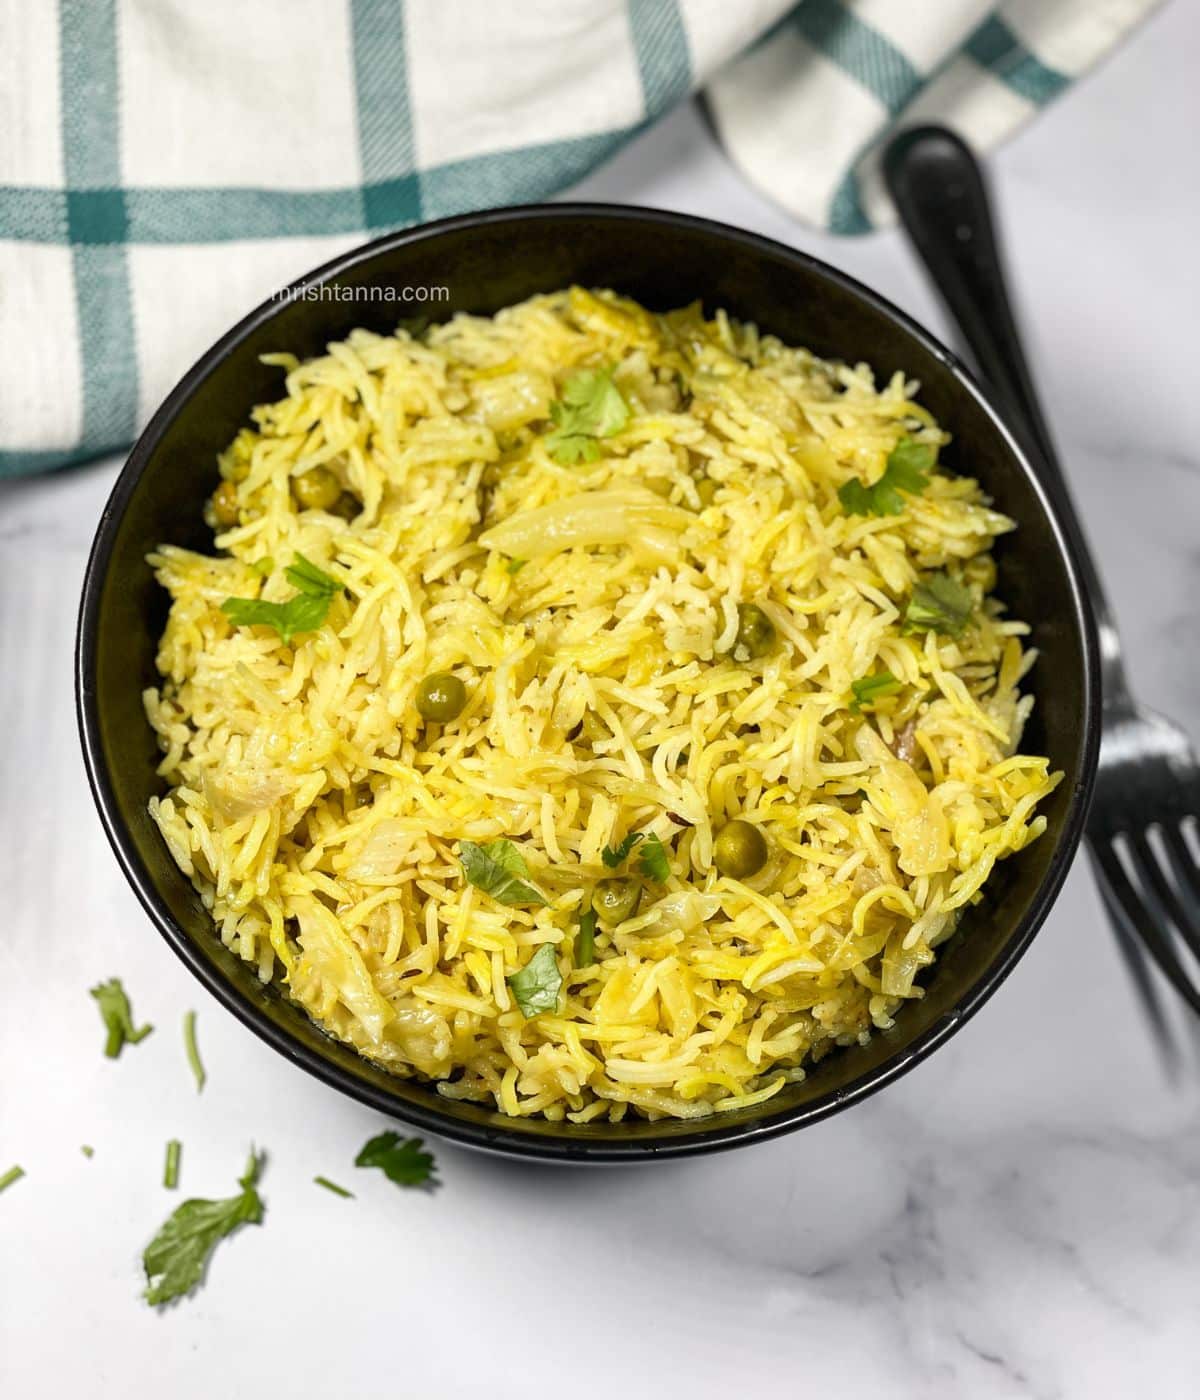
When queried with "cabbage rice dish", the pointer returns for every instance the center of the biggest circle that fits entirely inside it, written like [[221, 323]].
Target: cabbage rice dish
[[593, 711]]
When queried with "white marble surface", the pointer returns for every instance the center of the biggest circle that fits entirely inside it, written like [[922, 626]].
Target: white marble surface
[[1018, 1217]]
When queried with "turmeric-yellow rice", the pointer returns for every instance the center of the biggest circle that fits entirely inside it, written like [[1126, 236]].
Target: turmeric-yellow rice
[[554, 597]]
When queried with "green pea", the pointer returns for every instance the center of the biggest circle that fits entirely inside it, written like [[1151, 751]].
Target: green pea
[[317, 489], [740, 850], [225, 505], [756, 631], [441, 697], [616, 900]]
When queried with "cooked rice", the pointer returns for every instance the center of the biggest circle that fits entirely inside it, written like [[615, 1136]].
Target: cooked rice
[[319, 816]]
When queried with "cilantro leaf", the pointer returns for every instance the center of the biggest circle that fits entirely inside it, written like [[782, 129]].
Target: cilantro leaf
[[118, 1017], [871, 688], [175, 1260], [537, 985], [401, 1161], [569, 449], [303, 574], [856, 499], [585, 939], [591, 407], [938, 604], [498, 868], [304, 612], [910, 463], [612, 856], [653, 859], [908, 467]]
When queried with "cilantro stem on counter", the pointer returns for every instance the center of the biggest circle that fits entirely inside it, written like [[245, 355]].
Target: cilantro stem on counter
[[171, 1169], [193, 1052], [334, 1187], [118, 1017], [13, 1174], [177, 1257], [400, 1160]]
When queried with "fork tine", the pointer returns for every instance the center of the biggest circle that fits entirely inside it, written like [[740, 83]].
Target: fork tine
[[1140, 915], [1181, 861], [1149, 867], [1140, 976]]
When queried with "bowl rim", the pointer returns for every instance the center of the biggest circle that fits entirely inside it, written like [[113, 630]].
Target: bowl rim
[[511, 1142]]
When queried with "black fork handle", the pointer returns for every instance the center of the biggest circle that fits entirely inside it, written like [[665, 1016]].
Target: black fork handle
[[940, 195]]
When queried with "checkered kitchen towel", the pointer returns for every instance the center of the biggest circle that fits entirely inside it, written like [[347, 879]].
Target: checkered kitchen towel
[[166, 164]]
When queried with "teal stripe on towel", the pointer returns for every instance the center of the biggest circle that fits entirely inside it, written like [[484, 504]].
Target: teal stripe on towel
[[391, 192], [995, 47], [97, 222], [859, 50], [846, 212], [516, 177], [664, 62]]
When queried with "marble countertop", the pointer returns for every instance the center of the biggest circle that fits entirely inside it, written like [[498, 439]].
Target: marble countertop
[[1020, 1216]]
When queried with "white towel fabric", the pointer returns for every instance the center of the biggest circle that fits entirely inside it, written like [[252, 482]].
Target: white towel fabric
[[166, 164]]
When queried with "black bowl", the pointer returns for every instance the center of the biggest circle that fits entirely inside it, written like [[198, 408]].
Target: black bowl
[[488, 261]]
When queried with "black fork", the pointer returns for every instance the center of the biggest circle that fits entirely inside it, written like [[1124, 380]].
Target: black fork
[[1143, 820]]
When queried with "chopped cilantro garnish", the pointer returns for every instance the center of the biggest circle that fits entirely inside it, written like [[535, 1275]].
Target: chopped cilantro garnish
[[176, 1258], [13, 1174], [171, 1167], [334, 1187], [652, 859], [908, 466], [939, 603], [612, 856], [400, 1160], [585, 939], [514, 566], [591, 407], [87, 1150], [118, 1017], [304, 612], [537, 985], [871, 688], [498, 868]]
